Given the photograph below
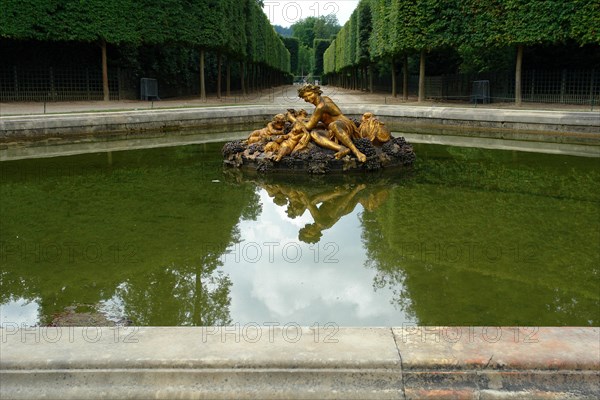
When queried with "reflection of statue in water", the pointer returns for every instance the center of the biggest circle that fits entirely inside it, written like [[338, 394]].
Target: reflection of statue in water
[[325, 206]]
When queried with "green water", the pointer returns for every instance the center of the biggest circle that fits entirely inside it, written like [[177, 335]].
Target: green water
[[167, 237]]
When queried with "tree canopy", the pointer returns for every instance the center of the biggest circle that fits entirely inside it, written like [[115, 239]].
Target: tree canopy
[[237, 28], [311, 28], [396, 27]]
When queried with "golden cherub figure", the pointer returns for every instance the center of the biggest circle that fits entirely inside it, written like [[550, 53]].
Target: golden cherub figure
[[373, 129], [274, 128], [298, 137]]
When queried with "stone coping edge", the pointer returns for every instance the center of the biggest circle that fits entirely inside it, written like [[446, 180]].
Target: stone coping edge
[[271, 361], [585, 125]]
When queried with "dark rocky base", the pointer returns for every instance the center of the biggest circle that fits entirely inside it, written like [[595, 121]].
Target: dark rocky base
[[317, 160]]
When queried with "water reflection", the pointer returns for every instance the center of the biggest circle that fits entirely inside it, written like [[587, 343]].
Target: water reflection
[[166, 237], [179, 295], [129, 233], [326, 201], [485, 237], [301, 260]]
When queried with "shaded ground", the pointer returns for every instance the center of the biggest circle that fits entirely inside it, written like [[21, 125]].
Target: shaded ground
[[283, 95]]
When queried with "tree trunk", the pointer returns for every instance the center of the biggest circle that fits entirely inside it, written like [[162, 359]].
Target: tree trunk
[[518, 97], [371, 78], [394, 93], [422, 77], [405, 78], [219, 62], [104, 71], [228, 84], [202, 84], [243, 78], [197, 315]]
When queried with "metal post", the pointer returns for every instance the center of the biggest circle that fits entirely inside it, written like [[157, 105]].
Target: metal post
[[119, 88], [563, 84], [16, 78], [532, 84], [51, 85], [87, 83]]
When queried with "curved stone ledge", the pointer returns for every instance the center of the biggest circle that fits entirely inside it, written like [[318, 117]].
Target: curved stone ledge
[[274, 362], [555, 126], [23, 128]]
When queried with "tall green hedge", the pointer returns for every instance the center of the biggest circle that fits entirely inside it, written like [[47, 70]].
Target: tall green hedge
[[319, 46], [293, 46], [236, 28], [394, 28]]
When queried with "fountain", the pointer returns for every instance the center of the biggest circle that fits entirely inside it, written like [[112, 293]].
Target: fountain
[[326, 141]]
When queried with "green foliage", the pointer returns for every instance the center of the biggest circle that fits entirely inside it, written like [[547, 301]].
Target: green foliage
[[501, 23], [311, 28], [236, 47], [476, 28], [329, 58], [365, 28], [326, 27], [305, 61], [114, 21], [236, 28], [537, 21], [320, 45], [380, 35], [340, 49], [585, 22], [26, 19], [293, 46], [264, 45]]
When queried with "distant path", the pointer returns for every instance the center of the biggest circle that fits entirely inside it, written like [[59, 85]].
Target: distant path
[[284, 96]]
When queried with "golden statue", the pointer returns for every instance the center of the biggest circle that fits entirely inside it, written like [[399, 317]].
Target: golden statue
[[340, 129], [304, 142], [274, 128], [298, 137], [373, 129], [327, 127]]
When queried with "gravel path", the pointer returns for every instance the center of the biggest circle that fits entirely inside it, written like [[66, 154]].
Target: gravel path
[[284, 95]]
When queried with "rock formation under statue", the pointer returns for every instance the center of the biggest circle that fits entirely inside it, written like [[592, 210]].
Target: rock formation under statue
[[323, 142]]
